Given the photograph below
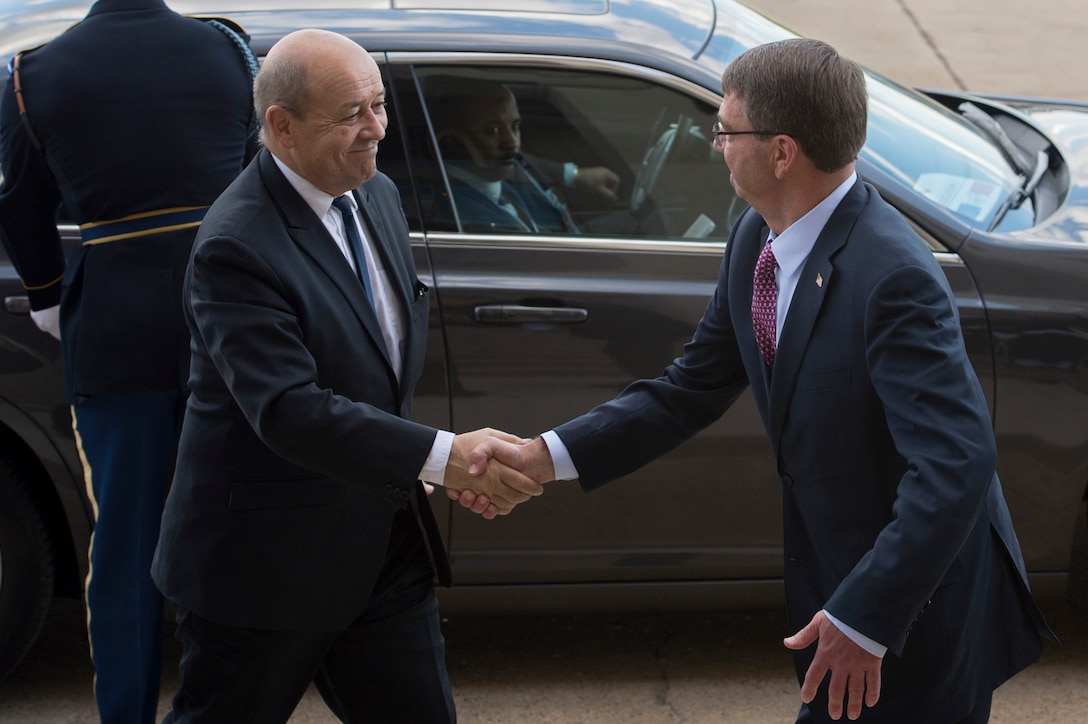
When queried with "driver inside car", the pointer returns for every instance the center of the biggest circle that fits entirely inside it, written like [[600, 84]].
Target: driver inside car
[[495, 186]]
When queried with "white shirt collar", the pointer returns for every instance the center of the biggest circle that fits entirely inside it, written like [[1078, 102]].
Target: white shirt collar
[[490, 189], [314, 197]]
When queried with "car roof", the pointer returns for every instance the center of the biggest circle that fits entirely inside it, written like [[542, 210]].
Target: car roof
[[616, 29]]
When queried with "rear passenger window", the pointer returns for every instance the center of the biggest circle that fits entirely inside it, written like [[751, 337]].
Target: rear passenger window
[[564, 152]]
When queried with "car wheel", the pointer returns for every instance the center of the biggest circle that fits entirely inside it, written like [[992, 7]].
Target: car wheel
[[26, 564]]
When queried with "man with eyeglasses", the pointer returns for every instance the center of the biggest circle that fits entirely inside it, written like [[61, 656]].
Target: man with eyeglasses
[[904, 578]]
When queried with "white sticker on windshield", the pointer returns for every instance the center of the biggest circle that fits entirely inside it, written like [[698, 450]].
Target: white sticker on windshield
[[967, 197]]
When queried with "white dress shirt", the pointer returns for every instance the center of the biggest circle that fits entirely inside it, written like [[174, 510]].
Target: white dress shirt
[[791, 250], [390, 316]]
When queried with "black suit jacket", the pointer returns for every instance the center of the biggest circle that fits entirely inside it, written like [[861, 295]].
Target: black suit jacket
[[894, 520], [478, 213], [137, 109], [297, 448]]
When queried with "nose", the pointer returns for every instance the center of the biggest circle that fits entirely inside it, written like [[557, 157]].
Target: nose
[[373, 125], [510, 137]]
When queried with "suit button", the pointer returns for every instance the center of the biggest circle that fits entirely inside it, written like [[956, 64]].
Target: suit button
[[787, 481]]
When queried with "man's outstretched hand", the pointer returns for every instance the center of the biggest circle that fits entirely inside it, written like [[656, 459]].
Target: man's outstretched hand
[[493, 487], [855, 673], [530, 457]]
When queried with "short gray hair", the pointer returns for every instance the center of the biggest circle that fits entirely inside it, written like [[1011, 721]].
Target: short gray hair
[[281, 82]]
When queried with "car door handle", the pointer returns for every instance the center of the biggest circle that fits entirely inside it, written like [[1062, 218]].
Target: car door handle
[[17, 304], [519, 314]]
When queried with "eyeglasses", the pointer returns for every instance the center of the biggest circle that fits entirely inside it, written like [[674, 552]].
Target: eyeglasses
[[717, 131]]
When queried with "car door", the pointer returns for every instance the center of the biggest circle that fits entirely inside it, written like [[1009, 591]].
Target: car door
[[538, 326]]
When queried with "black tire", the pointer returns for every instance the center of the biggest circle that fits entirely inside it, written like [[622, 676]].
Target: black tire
[[26, 564]]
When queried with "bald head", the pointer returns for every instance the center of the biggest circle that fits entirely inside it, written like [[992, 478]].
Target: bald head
[[286, 77], [322, 102]]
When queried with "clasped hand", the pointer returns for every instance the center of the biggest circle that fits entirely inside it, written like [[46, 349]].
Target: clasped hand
[[483, 482], [497, 471]]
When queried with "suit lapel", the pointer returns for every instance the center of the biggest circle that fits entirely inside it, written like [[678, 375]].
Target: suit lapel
[[745, 244], [817, 277], [310, 235], [394, 267]]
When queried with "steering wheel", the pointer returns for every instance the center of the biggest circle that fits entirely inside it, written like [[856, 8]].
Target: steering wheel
[[681, 139], [654, 160]]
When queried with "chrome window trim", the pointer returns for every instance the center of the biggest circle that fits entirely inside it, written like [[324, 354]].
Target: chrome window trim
[[584, 243], [596, 243], [564, 62], [948, 258]]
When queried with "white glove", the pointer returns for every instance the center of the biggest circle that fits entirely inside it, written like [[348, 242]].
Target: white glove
[[48, 320]]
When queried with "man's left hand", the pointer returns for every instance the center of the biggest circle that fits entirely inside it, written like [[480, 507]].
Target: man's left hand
[[855, 673]]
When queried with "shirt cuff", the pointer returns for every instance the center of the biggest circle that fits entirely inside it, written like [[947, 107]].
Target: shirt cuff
[[570, 173], [561, 462], [877, 650], [434, 470]]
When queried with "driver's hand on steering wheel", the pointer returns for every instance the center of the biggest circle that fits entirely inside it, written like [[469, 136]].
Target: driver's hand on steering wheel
[[598, 180]]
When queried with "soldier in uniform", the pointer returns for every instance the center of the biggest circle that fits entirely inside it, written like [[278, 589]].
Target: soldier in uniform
[[135, 119]]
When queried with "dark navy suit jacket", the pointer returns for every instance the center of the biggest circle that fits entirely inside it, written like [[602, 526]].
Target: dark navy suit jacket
[[137, 109], [478, 213], [894, 520], [296, 449]]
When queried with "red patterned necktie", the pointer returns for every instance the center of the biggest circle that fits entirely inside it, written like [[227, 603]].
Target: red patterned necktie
[[765, 304]]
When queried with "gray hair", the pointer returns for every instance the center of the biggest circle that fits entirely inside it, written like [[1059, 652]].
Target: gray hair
[[281, 81]]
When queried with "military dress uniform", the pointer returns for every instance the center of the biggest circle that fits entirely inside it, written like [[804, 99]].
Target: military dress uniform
[[136, 119]]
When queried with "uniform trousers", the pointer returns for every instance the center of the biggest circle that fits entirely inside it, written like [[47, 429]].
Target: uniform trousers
[[128, 443], [388, 666]]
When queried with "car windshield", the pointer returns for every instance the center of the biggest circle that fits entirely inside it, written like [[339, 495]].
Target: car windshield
[[915, 141], [928, 148]]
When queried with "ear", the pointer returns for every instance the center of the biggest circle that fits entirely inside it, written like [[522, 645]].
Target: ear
[[279, 125], [785, 153]]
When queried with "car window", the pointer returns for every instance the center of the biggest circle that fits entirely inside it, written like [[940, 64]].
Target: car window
[[393, 149], [556, 151]]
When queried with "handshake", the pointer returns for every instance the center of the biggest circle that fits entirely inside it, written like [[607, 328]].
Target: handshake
[[490, 471]]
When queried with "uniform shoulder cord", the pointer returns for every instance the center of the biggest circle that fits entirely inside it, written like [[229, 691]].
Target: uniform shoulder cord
[[16, 79], [239, 37]]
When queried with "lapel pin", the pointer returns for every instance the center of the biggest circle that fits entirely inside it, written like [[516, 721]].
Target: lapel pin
[[819, 280]]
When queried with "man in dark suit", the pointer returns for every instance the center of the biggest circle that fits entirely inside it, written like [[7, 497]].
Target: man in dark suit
[[901, 563], [297, 543], [136, 119], [495, 187]]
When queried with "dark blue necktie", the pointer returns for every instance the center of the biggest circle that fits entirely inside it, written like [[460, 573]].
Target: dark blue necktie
[[352, 230], [511, 198]]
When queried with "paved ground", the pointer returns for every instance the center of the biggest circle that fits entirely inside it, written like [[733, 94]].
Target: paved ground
[[649, 669], [720, 667], [1000, 46]]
